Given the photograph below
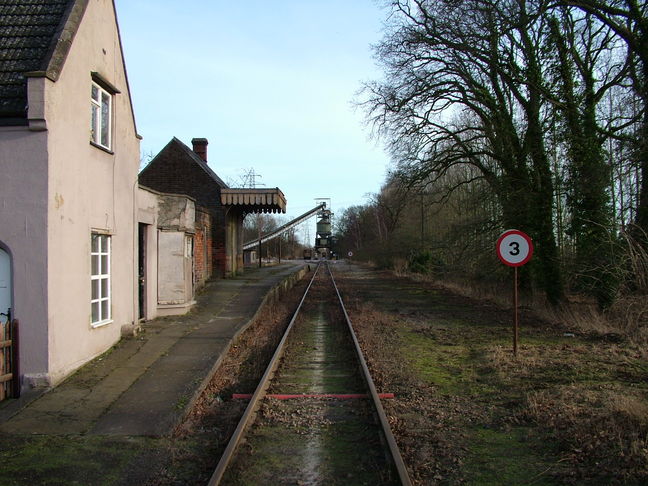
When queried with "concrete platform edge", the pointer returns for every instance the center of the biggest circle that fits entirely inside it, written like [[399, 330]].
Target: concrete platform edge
[[274, 294]]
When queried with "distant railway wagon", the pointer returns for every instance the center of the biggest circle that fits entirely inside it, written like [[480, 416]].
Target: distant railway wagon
[[308, 254]]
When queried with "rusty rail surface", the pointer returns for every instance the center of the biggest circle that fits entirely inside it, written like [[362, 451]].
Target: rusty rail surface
[[264, 384]]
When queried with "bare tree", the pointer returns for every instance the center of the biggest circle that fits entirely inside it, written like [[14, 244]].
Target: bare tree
[[628, 19], [465, 85]]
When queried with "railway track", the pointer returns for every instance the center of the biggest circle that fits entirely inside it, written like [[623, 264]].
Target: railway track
[[315, 417]]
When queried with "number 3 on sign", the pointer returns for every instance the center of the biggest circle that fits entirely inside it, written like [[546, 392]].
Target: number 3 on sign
[[514, 248]]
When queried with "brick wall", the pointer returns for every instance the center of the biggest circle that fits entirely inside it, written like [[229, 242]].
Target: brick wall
[[203, 247], [174, 171], [219, 257]]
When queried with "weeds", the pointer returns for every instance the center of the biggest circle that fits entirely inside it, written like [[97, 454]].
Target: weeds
[[626, 319], [604, 431], [573, 404]]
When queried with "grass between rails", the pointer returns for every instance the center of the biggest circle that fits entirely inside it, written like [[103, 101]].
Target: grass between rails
[[568, 410], [313, 443]]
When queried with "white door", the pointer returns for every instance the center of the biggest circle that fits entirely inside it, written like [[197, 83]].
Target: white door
[[5, 284]]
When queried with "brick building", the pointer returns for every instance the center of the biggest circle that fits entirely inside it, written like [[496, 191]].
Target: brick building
[[203, 268], [218, 246], [177, 169]]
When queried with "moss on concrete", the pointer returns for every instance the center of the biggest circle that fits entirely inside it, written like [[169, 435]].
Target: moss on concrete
[[75, 460]]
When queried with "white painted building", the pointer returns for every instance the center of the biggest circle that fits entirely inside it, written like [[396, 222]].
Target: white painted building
[[69, 156], [85, 252]]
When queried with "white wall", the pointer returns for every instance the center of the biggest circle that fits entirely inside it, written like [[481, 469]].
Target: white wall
[[89, 190], [23, 233], [172, 223], [171, 267]]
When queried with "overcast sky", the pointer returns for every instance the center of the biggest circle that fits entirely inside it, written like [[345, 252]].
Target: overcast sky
[[270, 84]]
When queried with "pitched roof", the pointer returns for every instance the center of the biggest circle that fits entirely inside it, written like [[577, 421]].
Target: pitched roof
[[35, 37], [195, 158], [176, 150]]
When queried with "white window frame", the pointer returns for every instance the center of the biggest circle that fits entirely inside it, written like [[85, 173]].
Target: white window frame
[[100, 281], [100, 120]]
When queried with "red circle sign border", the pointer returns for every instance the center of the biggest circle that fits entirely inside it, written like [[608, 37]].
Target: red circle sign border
[[523, 235]]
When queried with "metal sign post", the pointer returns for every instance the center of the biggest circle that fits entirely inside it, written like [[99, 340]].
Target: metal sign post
[[516, 325], [515, 248]]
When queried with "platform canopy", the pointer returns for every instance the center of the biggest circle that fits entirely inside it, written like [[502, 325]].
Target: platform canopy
[[255, 200]]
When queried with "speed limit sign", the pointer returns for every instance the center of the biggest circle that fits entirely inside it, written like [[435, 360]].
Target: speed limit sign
[[514, 248]]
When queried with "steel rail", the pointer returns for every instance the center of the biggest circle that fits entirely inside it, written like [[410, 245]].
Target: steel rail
[[384, 422], [264, 384], [259, 394]]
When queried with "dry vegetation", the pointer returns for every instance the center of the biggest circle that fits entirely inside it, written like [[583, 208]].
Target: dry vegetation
[[603, 430], [423, 421], [626, 319], [600, 422], [572, 408], [200, 440]]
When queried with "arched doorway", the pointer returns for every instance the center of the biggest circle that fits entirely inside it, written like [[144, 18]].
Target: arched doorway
[[8, 357], [5, 285]]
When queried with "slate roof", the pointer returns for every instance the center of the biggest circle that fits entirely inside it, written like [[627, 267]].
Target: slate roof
[[30, 31]]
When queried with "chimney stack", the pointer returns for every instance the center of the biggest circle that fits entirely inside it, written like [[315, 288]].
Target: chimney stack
[[200, 147]]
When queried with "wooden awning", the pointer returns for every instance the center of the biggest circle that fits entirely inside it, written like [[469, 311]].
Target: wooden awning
[[255, 200]]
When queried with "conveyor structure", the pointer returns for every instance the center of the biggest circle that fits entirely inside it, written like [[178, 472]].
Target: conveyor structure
[[282, 229]]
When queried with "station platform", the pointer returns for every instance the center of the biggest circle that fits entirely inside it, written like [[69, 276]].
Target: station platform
[[146, 383]]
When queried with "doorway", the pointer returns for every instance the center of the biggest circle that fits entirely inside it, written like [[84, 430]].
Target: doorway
[[5, 286], [141, 274], [8, 345]]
